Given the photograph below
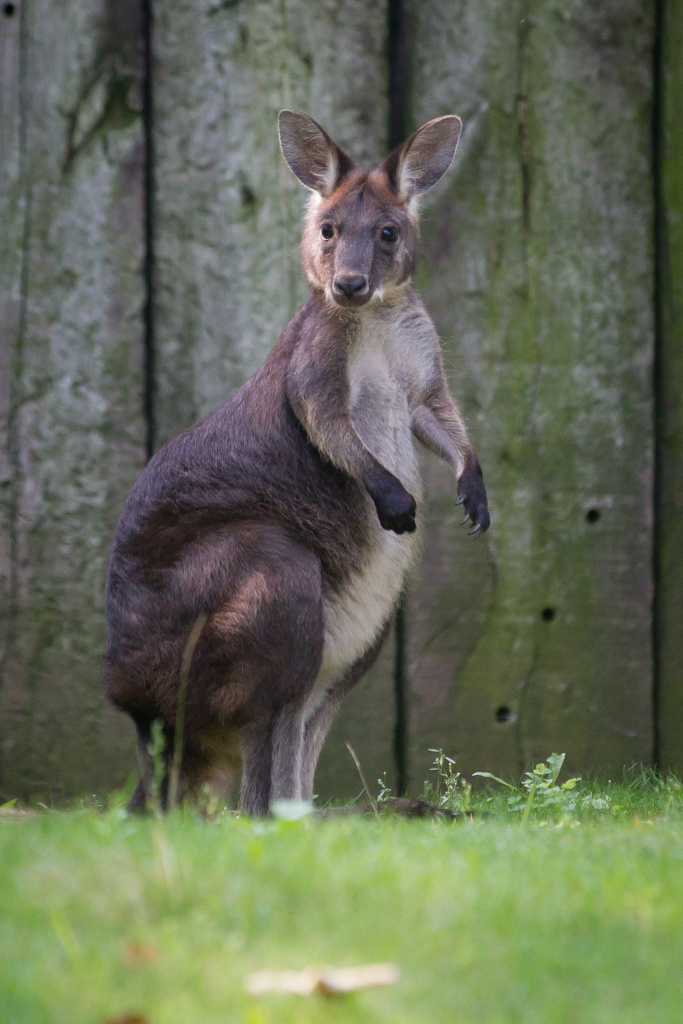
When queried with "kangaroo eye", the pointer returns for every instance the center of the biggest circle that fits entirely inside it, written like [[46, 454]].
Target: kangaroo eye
[[389, 234], [327, 231]]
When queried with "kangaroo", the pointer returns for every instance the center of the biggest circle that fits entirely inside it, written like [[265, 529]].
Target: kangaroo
[[288, 519]]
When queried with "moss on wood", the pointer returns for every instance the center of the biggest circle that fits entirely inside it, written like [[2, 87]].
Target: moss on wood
[[538, 266]]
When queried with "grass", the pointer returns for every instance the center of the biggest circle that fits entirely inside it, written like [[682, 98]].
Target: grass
[[574, 916]]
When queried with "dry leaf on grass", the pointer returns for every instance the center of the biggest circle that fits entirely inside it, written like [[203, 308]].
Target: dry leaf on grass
[[331, 981], [136, 953], [128, 1018]]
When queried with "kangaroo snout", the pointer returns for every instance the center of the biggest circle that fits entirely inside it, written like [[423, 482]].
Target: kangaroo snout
[[351, 286]]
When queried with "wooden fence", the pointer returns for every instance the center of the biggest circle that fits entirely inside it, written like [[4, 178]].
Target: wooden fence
[[148, 252]]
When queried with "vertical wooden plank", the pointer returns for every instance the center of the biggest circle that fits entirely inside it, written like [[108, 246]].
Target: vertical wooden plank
[[670, 390], [228, 214], [12, 226], [71, 343], [538, 267]]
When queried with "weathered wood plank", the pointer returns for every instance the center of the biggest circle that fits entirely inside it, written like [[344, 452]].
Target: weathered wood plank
[[228, 213], [670, 392], [70, 337], [12, 227], [538, 267]]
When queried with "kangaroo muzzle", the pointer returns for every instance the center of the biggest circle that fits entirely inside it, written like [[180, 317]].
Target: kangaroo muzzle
[[352, 289]]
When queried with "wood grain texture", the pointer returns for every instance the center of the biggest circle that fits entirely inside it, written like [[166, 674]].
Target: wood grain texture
[[670, 391], [228, 215], [538, 268], [70, 343]]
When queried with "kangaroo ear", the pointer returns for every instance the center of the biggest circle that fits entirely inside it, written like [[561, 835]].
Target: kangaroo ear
[[424, 158], [312, 156]]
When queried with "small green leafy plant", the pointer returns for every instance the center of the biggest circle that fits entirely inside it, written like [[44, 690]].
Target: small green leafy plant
[[539, 789], [450, 790], [156, 749], [384, 789]]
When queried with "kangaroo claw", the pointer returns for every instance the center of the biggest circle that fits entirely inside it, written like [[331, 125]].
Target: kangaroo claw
[[471, 487]]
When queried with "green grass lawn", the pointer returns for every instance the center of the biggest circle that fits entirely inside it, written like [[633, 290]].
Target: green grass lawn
[[574, 916]]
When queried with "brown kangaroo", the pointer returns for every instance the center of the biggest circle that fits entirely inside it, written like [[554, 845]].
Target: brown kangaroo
[[289, 518]]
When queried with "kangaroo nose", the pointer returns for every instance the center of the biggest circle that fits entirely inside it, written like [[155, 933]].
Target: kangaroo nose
[[351, 284]]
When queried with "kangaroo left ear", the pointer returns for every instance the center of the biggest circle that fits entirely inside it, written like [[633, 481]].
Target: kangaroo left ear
[[425, 157]]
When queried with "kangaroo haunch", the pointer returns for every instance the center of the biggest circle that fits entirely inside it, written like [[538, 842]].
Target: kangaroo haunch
[[288, 519]]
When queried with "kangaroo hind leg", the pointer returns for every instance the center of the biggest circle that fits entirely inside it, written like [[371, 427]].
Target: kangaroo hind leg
[[268, 636], [318, 725]]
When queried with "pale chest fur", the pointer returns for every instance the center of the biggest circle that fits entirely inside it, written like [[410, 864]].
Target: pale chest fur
[[388, 363]]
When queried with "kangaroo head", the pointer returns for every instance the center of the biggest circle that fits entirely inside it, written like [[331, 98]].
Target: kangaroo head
[[360, 234]]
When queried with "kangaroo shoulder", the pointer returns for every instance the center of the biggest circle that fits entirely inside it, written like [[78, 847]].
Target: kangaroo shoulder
[[318, 349], [418, 326]]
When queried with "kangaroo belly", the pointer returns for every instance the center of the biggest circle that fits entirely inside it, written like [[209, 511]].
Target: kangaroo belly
[[355, 615]]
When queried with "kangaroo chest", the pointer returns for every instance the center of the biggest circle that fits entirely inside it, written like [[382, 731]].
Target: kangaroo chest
[[382, 373], [382, 369]]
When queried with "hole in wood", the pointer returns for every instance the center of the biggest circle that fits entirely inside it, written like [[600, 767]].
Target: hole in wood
[[592, 515], [503, 713], [8, 10], [548, 614]]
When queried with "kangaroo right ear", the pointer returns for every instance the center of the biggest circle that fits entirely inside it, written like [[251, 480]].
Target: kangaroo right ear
[[311, 154]]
